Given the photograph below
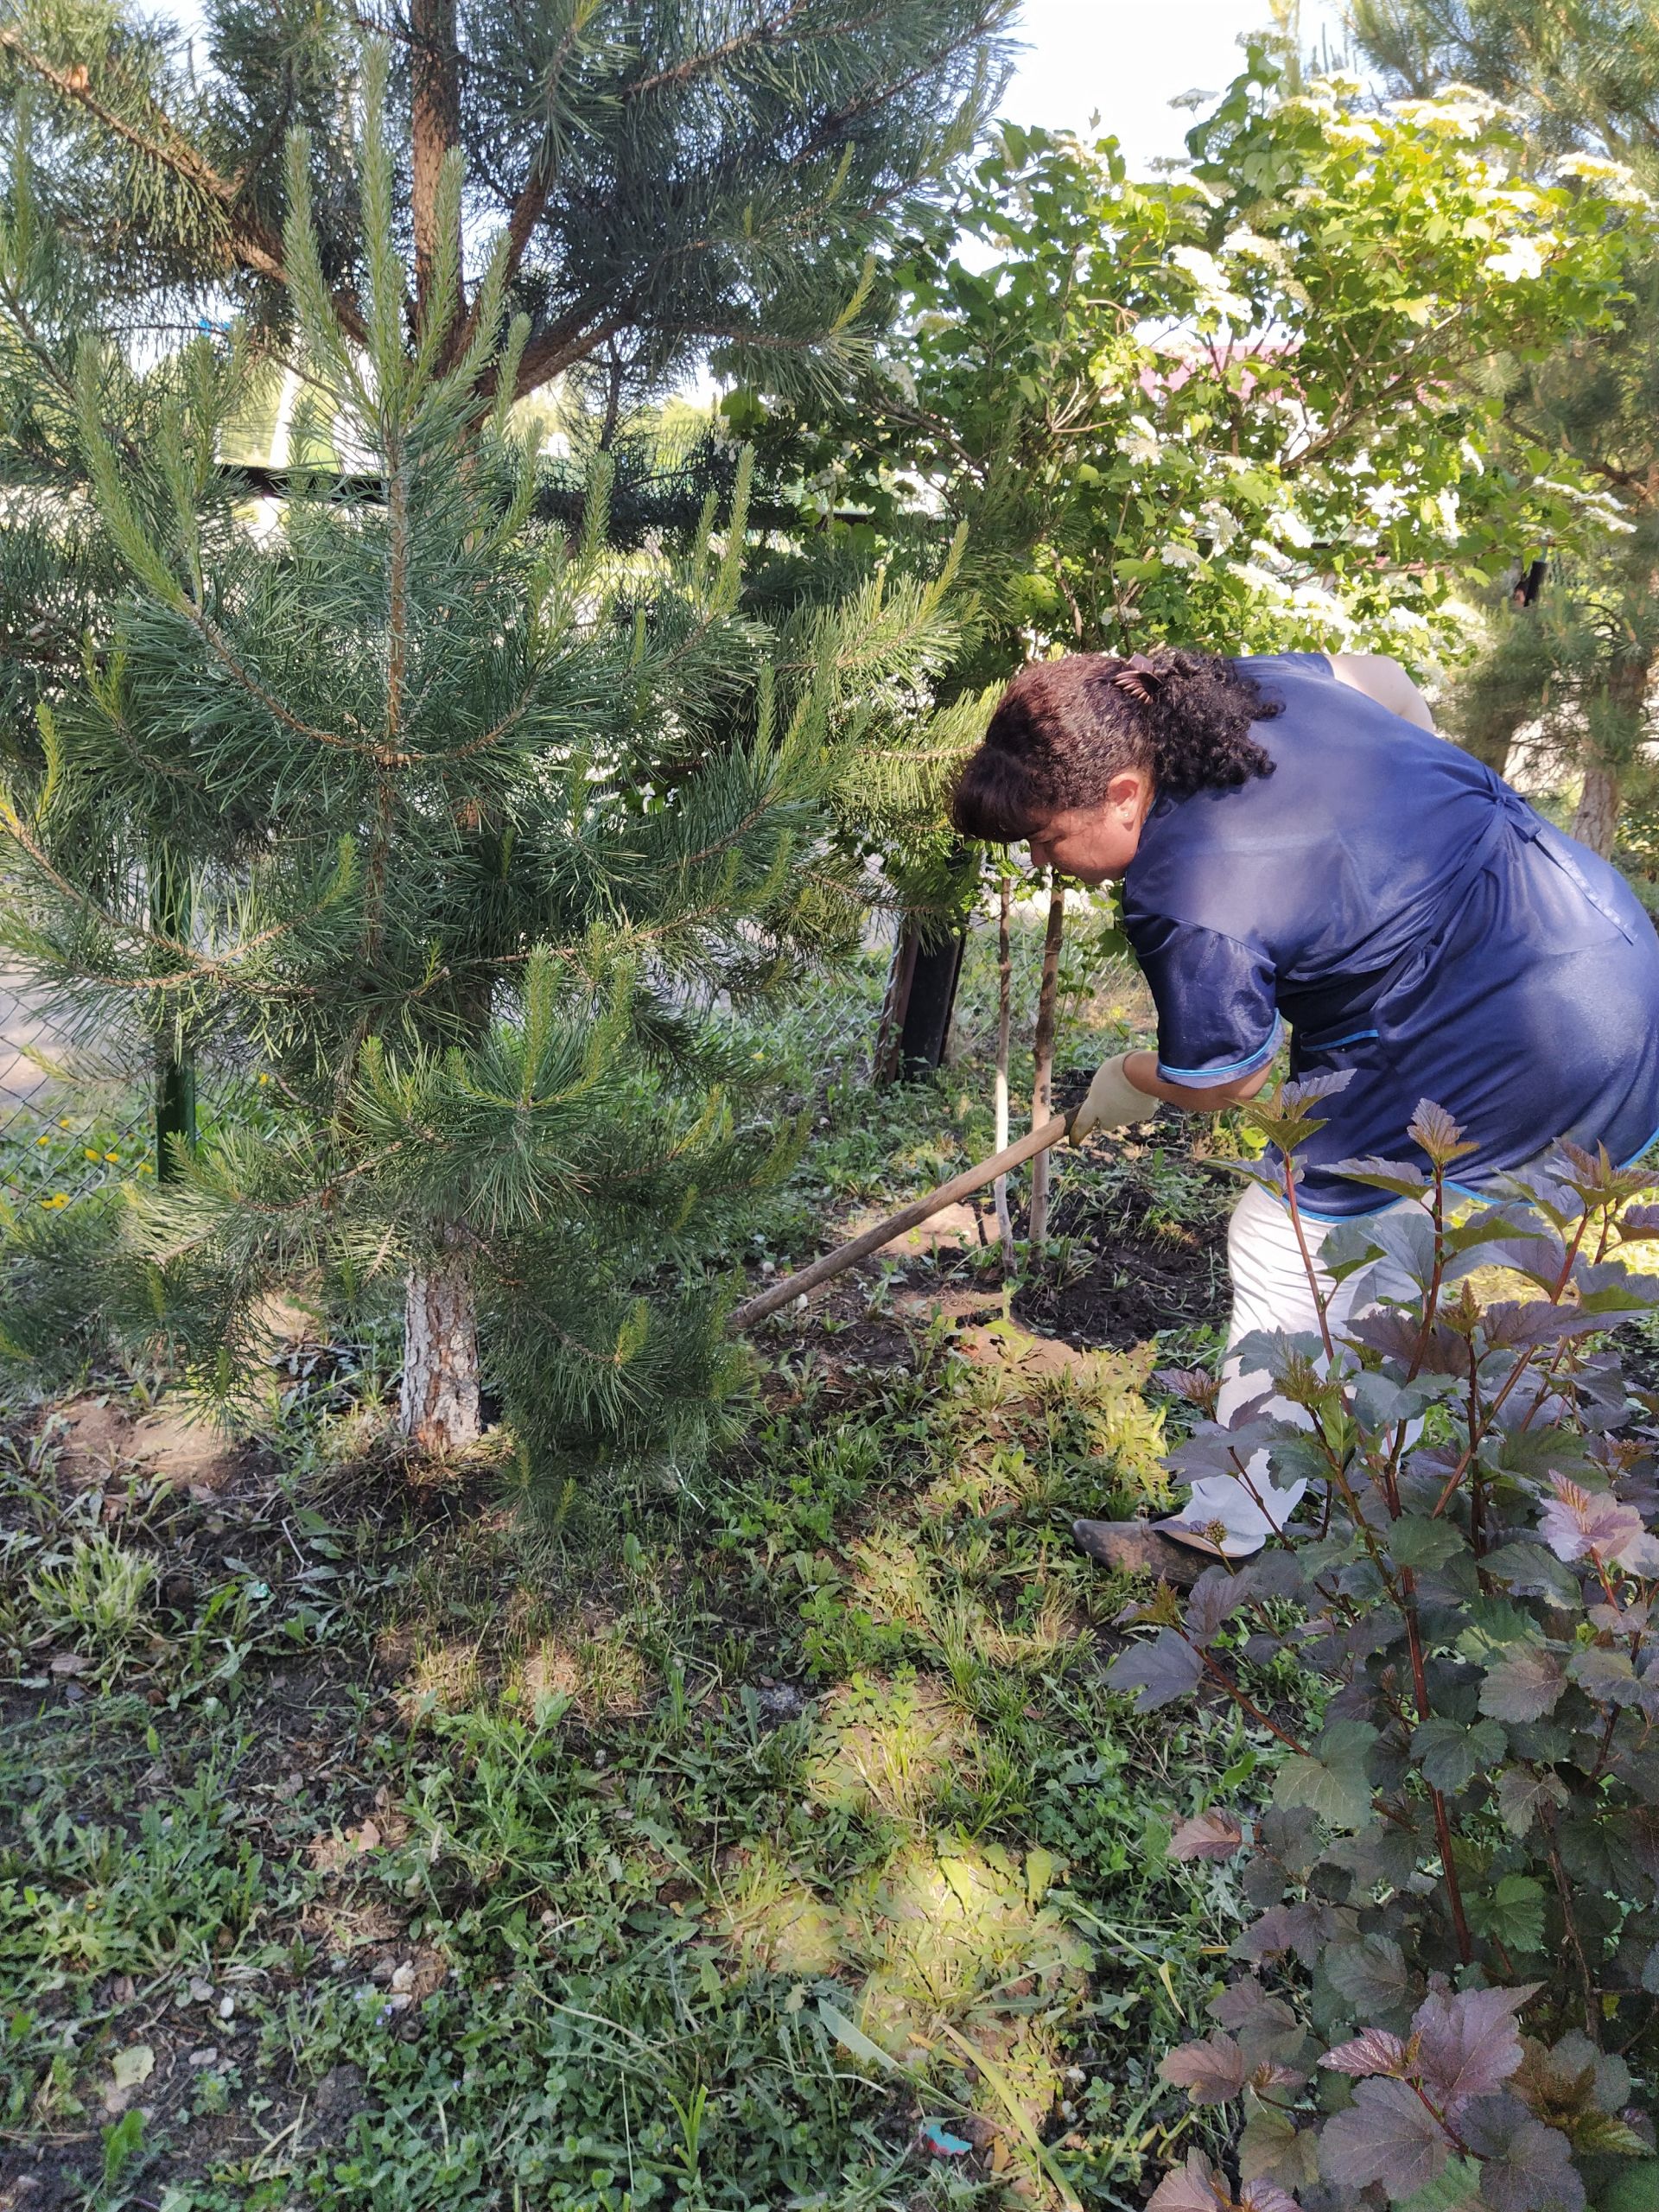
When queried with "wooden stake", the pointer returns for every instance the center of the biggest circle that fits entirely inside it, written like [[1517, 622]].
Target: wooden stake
[[1004, 1030], [1042, 1053], [973, 1178]]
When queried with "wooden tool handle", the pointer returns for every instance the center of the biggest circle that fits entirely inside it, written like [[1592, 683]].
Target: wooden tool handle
[[846, 1256]]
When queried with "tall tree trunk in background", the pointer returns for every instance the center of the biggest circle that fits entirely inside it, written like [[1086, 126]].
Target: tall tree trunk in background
[[1004, 1033], [1596, 821], [434, 115], [438, 1407], [1042, 1053]]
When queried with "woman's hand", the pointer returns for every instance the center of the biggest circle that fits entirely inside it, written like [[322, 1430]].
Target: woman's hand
[[1113, 1101]]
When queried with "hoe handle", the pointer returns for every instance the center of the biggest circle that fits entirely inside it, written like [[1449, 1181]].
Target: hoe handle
[[846, 1256]]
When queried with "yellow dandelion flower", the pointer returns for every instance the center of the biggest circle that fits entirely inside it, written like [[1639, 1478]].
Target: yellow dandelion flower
[[265, 1078], [144, 1168], [42, 1140], [90, 1151], [63, 1122], [111, 1155]]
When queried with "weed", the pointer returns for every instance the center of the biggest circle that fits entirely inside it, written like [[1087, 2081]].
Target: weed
[[98, 1598]]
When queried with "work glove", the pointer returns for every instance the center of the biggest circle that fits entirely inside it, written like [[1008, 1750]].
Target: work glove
[[1113, 1101]]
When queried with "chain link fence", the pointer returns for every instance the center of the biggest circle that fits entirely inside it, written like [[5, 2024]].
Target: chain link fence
[[67, 1124], [70, 1121]]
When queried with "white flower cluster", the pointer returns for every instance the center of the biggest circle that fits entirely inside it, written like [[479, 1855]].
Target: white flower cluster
[[1216, 294]]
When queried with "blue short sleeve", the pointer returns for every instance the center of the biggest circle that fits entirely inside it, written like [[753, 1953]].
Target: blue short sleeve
[[1217, 1016]]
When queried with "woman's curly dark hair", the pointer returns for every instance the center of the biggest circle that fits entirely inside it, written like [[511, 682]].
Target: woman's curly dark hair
[[1064, 728]]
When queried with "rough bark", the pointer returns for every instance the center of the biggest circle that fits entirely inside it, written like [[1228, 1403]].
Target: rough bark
[[438, 1405], [1043, 1064], [1596, 822], [435, 104]]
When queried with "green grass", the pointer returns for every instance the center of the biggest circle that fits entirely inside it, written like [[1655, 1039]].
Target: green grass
[[368, 1848]]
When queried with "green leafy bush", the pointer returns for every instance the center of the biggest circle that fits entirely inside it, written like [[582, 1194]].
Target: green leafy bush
[[1448, 1993]]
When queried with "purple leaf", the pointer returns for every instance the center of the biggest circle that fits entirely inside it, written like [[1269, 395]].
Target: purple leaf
[[1265, 2025], [1312, 1087], [1162, 1670], [1194, 2187], [1211, 2072], [1521, 1792], [1371, 1972], [1526, 2167], [1394, 1335], [1577, 1523], [1213, 1835], [1608, 1676], [1529, 1571], [1534, 1253], [1264, 2195], [1522, 1328], [1199, 1386], [1396, 1175], [1440, 1137], [1387, 2134], [1525, 1685], [1397, 1336], [1273, 2074], [1211, 1603], [1304, 1928], [1272, 1574], [1373, 2050], [1468, 2044]]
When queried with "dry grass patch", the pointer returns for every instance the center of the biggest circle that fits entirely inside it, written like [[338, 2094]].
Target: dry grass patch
[[601, 1677], [890, 1748]]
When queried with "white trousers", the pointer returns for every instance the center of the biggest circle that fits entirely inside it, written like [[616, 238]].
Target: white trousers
[[1271, 1291]]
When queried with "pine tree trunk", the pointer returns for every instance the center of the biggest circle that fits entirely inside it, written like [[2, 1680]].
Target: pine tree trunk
[[1042, 1089], [1596, 822], [435, 117], [438, 1407]]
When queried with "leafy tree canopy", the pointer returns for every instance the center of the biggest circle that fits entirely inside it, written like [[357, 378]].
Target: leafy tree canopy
[[1250, 408]]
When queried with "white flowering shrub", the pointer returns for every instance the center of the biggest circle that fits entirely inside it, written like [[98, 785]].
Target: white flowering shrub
[[1247, 404]]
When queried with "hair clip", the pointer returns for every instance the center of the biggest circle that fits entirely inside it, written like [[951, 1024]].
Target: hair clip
[[1140, 677]]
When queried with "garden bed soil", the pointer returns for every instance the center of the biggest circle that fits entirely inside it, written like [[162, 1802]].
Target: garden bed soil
[[1139, 1283]]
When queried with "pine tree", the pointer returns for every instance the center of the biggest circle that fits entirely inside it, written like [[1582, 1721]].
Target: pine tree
[[473, 816], [665, 181], [1579, 659]]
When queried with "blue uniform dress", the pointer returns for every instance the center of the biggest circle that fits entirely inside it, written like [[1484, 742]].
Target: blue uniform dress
[[1413, 920]]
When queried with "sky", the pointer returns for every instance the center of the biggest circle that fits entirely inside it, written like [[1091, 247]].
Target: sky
[[1127, 59]]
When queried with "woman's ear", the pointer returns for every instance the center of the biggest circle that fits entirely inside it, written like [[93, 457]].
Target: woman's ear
[[1127, 792]]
